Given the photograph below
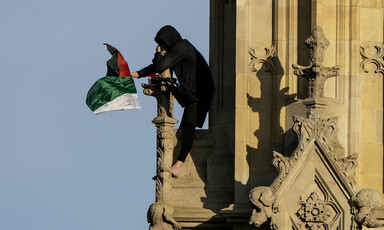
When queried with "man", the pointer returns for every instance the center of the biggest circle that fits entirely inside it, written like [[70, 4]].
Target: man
[[194, 77]]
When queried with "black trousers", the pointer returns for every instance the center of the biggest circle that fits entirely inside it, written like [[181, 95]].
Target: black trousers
[[188, 126]]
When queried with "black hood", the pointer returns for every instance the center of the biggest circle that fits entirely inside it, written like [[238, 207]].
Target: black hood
[[168, 36]]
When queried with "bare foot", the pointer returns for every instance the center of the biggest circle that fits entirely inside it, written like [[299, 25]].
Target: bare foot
[[176, 168]]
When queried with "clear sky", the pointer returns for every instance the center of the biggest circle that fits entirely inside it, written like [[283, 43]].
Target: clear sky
[[61, 167]]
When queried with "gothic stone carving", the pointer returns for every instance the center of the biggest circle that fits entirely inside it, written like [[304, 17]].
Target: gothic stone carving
[[372, 55], [315, 212], [316, 73], [258, 61], [366, 201], [307, 128], [261, 199], [348, 165], [160, 213], [317, 44], [160, 217], [317, 145], [164, 98]]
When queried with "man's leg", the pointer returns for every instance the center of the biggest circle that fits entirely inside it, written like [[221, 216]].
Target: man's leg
[[188, 125], [188, 137]]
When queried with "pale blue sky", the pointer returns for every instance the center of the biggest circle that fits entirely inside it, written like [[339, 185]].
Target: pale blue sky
[[61, 167]]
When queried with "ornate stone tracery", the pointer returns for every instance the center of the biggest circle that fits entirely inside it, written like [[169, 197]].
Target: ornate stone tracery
[[314, 210], [258, 61], [316, 156], [372, 55]]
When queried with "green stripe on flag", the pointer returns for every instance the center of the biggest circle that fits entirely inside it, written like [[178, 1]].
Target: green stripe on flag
[[107, 89]]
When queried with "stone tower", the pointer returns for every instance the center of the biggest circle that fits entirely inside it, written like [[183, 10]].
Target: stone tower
[[299, 87]]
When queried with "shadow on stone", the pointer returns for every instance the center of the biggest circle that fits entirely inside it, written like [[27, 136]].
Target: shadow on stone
[[270, 135]]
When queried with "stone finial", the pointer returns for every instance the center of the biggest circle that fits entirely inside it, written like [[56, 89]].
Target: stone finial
[[316, 73], [317, 44], [164, 99]]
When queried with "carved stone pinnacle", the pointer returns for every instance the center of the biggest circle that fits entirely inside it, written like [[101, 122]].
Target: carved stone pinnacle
[[165, 100], [316, 73], [160, 214], [317, 44]]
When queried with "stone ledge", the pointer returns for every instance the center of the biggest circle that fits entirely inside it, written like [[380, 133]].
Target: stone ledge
[[236, 215], [204, 225], [199, 219], [194, 214]]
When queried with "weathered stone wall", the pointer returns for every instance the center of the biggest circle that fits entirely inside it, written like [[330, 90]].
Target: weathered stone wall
[[269, 38], [370, 172]]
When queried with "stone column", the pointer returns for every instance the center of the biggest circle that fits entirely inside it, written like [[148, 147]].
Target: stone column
[[160, 213]]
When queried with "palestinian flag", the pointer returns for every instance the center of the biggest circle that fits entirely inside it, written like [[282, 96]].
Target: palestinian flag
[[116, 91]]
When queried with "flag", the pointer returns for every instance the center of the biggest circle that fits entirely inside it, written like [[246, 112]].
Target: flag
[[117, 90]]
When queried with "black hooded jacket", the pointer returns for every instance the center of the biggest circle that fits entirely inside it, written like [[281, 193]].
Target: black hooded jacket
[[188, 64]]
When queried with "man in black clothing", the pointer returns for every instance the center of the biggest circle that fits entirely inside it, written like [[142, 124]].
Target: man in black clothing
[[194, 77]]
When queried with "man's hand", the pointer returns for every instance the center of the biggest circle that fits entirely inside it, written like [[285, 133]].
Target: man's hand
[[134, 75], [158, 48]]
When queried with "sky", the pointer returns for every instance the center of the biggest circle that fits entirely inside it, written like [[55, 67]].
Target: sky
[[61, 166]]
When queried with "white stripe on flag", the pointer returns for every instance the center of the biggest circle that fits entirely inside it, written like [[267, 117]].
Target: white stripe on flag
[[123, 102]]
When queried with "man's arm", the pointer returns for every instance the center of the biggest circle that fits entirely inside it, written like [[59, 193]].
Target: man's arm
[[160, 62], [144, 72], [147, 70]]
